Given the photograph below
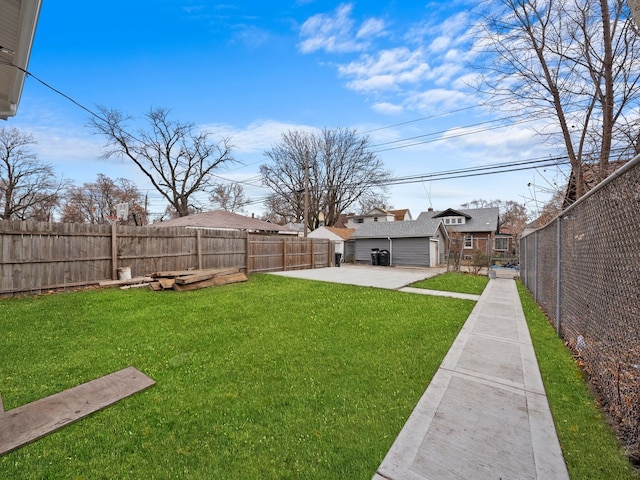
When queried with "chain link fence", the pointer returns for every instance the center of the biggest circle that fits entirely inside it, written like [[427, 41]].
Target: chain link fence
[[583, 269]]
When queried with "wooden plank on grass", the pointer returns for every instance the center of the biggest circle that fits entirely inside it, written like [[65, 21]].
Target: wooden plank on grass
[[30, 422], [173, 273], [167, 283], [194, 286], [128, 281], [232, 278], [187, 273], [201, 275], [193, 278], [219, 280]]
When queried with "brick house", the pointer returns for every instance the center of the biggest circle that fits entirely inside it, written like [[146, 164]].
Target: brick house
[[476, 229]]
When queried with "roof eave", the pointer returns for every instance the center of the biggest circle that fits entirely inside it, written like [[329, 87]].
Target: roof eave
[[19, 56]]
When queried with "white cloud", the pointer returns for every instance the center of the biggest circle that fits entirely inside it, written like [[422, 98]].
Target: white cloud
[[386, 70], [439, 99], [251, 36], [337, 33], [256, 137], [388, 108], [372, 27]]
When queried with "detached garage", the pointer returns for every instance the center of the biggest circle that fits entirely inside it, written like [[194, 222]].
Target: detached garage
[[409, 243]]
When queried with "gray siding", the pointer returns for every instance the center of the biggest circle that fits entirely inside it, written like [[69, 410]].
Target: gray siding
[[404, 251], [364, 246], [410, 251]]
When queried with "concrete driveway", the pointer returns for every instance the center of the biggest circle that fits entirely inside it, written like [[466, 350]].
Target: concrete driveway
[[393, 278]]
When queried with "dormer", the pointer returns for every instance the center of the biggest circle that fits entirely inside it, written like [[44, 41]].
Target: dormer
[[452, 217]]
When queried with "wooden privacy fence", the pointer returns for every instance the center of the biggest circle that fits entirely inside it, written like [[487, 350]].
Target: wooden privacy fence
[[42, 256]]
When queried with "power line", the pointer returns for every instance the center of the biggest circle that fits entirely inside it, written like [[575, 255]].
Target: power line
[[442, 114], [452, 135]]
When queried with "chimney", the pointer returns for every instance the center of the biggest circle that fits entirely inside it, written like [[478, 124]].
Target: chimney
[[430, 209]]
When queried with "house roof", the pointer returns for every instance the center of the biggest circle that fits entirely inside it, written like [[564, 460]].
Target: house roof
[[450, 212], [374, 212], [343, 233], [400, 214], [221, 219], [477, 219], [427, 227], [332, 233], [18, 19]]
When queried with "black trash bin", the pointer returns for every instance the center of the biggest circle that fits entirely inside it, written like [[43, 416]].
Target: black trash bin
[[375, 259], [338, 258], [383, 258]]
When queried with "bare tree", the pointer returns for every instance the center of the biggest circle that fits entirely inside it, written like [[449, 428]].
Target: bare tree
[[373, 200], [340, 167], [94, 202], [177, 159], [552, 208], [29, 189], [229, 197], [575, 63], [281, 212]]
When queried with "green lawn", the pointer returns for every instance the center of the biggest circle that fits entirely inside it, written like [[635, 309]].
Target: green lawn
[[455, 282], [272, 378], [589, 446]]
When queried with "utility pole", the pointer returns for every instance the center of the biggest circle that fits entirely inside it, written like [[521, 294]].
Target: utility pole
[[306, 192]]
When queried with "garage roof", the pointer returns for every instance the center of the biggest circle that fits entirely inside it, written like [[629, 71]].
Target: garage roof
[[18, 19], [427, 227]]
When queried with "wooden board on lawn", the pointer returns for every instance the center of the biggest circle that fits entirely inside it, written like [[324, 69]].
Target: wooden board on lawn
[[30, 422], [193, 278], [201, 275], [219, 280]]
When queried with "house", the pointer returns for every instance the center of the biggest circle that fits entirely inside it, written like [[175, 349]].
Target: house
[[420, 243], [337, 236], [223, 220], [477, 229], [378, 215], [17, 29]]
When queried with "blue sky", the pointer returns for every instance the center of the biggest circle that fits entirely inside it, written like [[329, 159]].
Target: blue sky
[[250, 70]]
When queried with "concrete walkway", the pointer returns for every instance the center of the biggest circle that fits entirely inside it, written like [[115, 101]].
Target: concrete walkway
[[485, 414]]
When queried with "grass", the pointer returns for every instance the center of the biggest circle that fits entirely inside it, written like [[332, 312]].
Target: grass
[[589, 446], [455, 282], [272, 378]]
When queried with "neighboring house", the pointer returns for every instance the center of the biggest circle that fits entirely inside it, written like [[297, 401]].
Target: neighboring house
[[378, 215], [223, 220], [336, 235], [420, 243], [295, 227], [477, 228], [17, 29]]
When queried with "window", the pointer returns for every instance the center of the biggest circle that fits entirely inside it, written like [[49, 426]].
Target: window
[[375, 219], [468, 241], [454, 220], [501, 243], [359, 220]]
